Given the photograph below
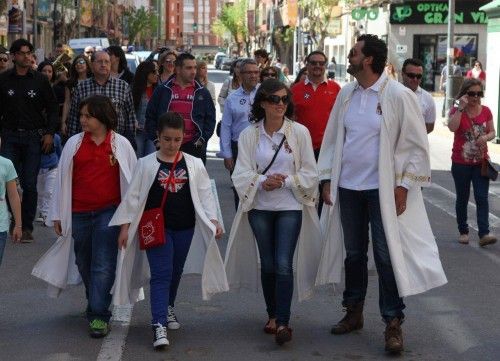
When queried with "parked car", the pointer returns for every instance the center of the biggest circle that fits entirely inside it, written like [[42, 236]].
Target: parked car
[[133, 62], [219, 61], [226, 64], [78, 45], [216, 59]]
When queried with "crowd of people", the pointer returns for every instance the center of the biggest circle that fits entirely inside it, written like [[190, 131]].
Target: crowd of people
[[116, 164]]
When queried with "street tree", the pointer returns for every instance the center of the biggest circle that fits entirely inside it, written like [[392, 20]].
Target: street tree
[[232, 20], [319, 14], [141, 23]]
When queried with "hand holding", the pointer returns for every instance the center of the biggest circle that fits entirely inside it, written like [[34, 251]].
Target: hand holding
[[218, 229], [325, 193], [400, 194]]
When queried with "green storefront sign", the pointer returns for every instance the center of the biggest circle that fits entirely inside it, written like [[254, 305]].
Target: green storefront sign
[[436, 12]]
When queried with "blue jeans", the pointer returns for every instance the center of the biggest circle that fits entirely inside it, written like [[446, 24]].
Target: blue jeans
[[464, 175], [145, 146], [276, 233], [24, 150], [166, 264], [357, 210], [3, 240], [96, 250]]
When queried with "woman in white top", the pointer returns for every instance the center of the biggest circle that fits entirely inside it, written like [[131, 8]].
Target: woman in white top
[[231, 83], [277, 180], [202, 76]]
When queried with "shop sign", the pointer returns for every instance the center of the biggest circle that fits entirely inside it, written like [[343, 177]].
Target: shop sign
[[436, 12], [362, 13], [401, 49], [44, 9]]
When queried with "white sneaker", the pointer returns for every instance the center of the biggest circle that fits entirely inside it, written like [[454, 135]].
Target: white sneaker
[[172, 322], [159, 336]]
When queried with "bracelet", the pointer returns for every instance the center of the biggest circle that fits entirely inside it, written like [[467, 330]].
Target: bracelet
[[18, 226]]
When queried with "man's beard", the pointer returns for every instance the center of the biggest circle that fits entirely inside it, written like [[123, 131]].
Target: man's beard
[[353, 69]]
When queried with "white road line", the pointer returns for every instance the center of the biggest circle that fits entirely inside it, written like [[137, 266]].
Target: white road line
[[444, 199], [114, 343]]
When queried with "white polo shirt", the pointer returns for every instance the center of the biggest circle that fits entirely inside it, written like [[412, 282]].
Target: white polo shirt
[[362, 123], [281, 199], [427, 105]]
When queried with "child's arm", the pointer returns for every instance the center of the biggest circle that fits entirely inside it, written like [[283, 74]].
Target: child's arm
[[15, 205], [123, 236]]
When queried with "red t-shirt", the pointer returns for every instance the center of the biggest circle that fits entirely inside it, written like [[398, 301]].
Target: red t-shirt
[[465, 148], [149, 91], [96, 176], [312, 108], [182, 103]]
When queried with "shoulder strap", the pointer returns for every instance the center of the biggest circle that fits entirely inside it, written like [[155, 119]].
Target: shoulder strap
[[275, 155], [169, 179]]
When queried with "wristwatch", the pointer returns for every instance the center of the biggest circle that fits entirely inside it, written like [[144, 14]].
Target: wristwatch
[[457, 105]]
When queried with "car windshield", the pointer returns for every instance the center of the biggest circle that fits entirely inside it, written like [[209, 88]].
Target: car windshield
[[132, 65]]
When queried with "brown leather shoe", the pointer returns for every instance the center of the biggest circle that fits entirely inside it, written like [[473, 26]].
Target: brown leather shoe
[[27, 237], [394, 336], [487, 239], [353, 320], [283, 334]]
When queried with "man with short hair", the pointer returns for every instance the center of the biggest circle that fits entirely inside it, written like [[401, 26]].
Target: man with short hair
[[236, 114], [29, 118], [413, 70], [373, 162], [102, 83], [58, 50], [261, 56], [186, 96], [88, 51], [313, 99], [4, 60]]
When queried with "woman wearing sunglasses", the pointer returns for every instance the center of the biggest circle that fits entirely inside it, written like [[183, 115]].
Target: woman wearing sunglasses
[[473, 126], [269, 72], [277, 182], [167, 66]]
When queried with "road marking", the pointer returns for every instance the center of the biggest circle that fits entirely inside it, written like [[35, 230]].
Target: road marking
[[114, 343], [444, 199]]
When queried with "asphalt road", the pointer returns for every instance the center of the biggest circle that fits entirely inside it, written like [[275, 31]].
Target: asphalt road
[[458, 321]]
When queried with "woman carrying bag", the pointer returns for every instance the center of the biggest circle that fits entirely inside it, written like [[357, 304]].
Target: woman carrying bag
[[277, 181], [473, 126], [169, 212]]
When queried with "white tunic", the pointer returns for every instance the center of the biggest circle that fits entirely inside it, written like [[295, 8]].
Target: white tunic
[[242, 258], [403, 159], [57, 266]]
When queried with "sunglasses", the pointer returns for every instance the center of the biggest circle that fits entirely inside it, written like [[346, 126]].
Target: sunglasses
[[80, 61], [4, 60], [270, 74], [89, 52], [275, 99], [317, 63], [413, 75], [479, 94]]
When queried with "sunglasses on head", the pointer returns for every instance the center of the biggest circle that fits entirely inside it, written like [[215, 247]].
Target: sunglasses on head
[[413, 75], [479, 94], [316, 63], [275, 99], [81, 61]]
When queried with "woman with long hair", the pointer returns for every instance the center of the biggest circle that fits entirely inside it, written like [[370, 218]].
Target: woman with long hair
[[477, 72], [301, 76], [473, 126], [202, 76], [79, 71], [119, 66], [231, 83], [277, 182], [145, 81], [167, 65], [177, 185]]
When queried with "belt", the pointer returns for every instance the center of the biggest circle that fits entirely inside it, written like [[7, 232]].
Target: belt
[[31, 131]]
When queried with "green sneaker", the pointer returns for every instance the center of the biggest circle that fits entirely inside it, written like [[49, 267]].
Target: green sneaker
[[98, 328]]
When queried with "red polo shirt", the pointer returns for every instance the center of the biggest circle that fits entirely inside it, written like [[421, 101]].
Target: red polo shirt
[[96, 176], [313, 107], [182, 103]]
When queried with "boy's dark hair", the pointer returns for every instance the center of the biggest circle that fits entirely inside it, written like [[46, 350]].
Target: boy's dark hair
[[170, 120], [18, 44], [412, 61], [267, 88], [101, 108], [262, 53], [376, 48], [119, 53], [179, 61]]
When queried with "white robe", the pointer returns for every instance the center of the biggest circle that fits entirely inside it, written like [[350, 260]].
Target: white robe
[[242, 258], [57, 266], [132, 270], [403, 154]]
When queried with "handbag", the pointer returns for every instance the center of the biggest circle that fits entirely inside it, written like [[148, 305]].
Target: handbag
[[488, 170], [151, 229]]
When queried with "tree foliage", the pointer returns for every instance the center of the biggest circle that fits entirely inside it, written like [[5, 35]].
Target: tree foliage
[[320, 14], [232, 20], [142, 23]]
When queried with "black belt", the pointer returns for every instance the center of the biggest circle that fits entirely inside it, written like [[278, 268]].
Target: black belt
[[30, 131]]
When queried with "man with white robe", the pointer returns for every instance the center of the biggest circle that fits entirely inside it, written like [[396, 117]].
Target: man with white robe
[[373, 162]]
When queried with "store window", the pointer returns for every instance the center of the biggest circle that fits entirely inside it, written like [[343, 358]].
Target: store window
[[465, 50]]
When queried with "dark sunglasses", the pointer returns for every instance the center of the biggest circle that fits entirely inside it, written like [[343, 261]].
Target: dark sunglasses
[[316, 63], [413, 75], [4, 60], [275, 99], [89, 52], [81, 61], [270, 74], [479, 94]]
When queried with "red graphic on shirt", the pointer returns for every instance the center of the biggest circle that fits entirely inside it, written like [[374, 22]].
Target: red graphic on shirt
[[177, 182]]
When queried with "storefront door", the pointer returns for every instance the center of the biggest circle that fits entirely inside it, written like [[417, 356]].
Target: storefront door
[[425, 50]]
